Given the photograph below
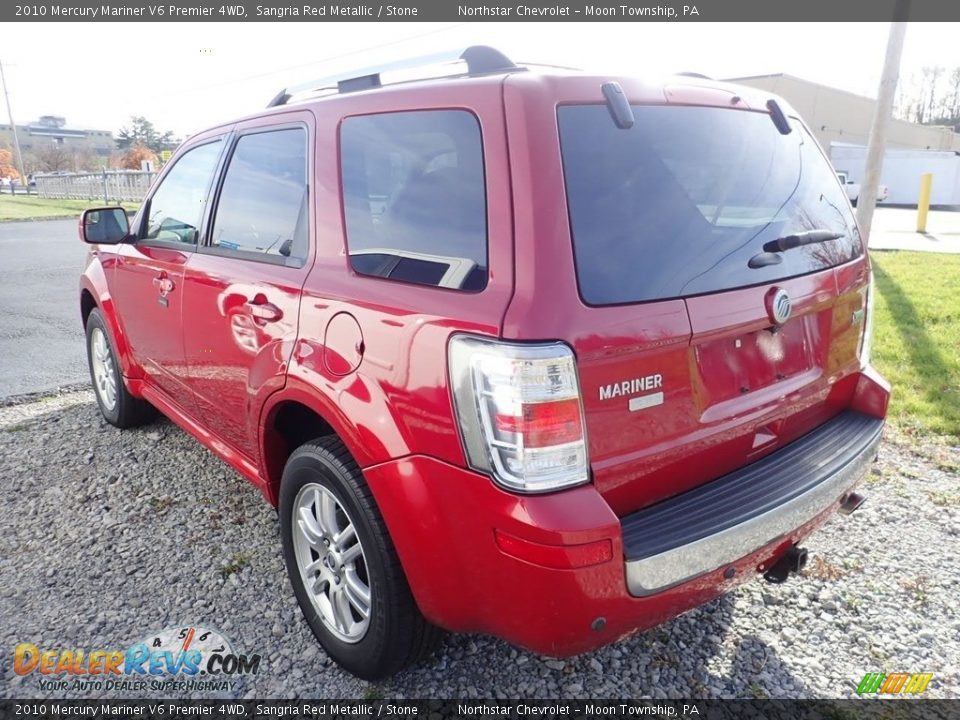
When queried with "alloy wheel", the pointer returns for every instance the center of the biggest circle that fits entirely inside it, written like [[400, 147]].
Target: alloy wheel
[[331, 562]]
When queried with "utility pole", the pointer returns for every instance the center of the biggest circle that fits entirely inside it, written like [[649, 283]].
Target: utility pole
[[881, 118], [13, 127]]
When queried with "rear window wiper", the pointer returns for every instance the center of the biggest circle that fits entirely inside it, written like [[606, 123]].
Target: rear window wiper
[[788, 242], [810, 237]]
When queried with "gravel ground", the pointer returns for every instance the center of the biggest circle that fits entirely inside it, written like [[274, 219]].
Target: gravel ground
[[111, 535]]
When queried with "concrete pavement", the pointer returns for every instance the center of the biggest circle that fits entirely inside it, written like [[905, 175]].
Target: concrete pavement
[[41, 340], [896, 229]]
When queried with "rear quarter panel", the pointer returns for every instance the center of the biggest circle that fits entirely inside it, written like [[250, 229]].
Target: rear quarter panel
[[396, 402]]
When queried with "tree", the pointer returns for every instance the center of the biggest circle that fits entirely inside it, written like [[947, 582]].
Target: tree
[[133, 157], [142, 132], [947, 111], [7, 168], [51, 158], [933, 98], [86, 160], [931, 81]]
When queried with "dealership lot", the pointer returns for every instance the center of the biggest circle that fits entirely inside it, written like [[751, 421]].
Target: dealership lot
[[112, 535]]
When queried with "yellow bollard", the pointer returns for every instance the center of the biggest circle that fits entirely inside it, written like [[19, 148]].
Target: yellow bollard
[[923, 204]]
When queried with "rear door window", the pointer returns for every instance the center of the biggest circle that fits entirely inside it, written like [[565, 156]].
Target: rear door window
[[262, 208], [414, 197], [678, 204]]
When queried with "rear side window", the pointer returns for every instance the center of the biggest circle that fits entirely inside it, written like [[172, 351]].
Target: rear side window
[[262, 209], [414, 197], [678, 204]]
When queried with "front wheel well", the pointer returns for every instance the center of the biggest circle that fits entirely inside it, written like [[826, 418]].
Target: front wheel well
[[289, 425], [87, 304]]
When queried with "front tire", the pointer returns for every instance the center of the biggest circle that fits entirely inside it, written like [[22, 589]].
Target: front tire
[[343, 566], [117, 405]]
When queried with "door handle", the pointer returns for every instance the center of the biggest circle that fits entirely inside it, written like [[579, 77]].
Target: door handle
[[265, 311], [163, 283]]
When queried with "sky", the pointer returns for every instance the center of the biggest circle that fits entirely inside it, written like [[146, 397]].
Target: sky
[[187, 76]]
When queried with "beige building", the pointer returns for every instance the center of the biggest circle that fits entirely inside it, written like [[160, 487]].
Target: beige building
[[53, 129], [838, 116]]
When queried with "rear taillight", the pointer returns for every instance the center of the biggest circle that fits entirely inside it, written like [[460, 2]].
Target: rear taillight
[[520, 412], [866, 340]]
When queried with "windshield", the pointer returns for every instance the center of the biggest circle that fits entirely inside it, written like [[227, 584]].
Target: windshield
[[678, 204]]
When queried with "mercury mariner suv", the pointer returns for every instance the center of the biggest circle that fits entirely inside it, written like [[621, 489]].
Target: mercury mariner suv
[[534, 353]]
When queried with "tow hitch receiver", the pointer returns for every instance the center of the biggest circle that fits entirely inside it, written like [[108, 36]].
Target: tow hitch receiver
[[792, 561]]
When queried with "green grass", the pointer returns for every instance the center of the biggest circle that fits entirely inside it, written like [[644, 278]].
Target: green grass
[[18, 427], [372, 692], [916, 341], [918, 587], [237, 562], [944, 498], [31, 207], [161, 504]]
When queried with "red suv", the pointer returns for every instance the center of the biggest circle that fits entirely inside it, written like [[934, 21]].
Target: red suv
[[539, 354]]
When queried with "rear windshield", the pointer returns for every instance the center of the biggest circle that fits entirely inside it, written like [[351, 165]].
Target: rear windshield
[[678, 204]]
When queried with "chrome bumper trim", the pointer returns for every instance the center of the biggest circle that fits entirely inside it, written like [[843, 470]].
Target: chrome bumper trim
[[656, 573]]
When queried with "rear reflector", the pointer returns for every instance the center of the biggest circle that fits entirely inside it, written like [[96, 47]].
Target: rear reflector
[[559, 557]]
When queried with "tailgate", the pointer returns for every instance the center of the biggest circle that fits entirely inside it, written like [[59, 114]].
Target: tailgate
[[663, 417], [724, 279]]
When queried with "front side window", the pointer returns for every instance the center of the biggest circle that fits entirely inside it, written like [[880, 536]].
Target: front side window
[[414, 197], [679, 204], [176, 208], [262, 208]]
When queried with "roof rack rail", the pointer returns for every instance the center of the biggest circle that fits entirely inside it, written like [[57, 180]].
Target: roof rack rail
[[697, 75], [479, 59]]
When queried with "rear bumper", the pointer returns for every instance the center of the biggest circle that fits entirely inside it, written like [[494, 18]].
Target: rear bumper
[[598, 579], [718, 523]]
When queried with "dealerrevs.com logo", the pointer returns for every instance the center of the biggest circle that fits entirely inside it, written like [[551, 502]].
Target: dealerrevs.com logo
[[185, 658]]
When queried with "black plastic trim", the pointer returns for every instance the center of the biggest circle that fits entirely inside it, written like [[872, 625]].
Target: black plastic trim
[[750, 491]]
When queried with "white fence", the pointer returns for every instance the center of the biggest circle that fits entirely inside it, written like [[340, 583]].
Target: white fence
[[108, 186]]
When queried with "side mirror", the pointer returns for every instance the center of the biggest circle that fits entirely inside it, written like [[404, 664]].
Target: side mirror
[[105, 226]]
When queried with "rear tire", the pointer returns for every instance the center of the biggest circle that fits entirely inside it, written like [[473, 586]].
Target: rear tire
[[117, 405], [344, 568]]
